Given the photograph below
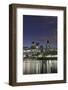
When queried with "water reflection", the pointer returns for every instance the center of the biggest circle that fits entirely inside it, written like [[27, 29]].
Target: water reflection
[[32, 66]]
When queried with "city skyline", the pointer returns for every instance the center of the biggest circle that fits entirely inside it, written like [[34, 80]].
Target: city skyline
[[39, 29]]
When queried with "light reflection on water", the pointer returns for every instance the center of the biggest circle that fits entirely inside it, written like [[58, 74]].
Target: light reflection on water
[[32, 66]]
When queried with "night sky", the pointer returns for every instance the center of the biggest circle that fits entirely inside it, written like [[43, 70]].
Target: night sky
[[39, 29]]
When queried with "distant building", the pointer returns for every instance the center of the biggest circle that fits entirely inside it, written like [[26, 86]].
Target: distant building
[[47, 45], [39, 51], [26, 52]]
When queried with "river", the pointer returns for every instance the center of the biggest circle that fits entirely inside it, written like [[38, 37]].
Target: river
[[33, 66]]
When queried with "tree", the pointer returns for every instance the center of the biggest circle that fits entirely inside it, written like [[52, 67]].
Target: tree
[[33, 46]]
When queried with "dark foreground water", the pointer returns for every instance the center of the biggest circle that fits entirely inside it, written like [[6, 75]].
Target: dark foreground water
[[33, 66]]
